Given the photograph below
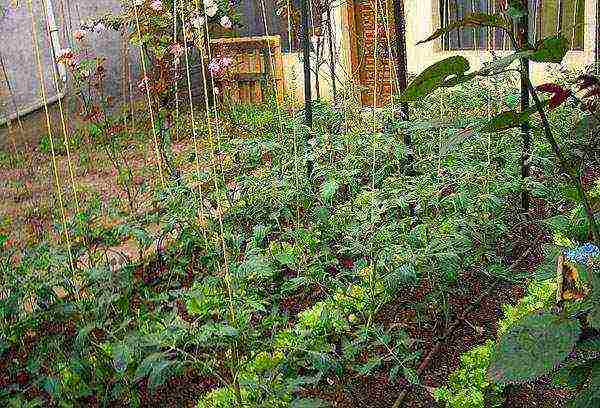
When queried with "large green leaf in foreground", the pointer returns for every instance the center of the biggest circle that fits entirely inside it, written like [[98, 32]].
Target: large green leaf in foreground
[[533, 348], [447, 72]]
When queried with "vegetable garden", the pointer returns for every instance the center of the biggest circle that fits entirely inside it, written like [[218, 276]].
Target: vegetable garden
[[171, 251]]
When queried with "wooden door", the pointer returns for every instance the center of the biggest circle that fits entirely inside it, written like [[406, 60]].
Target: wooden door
[[372, 49]]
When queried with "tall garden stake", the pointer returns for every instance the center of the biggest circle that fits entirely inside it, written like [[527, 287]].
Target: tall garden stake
[[307, 75], [523, 38], [597, 56]]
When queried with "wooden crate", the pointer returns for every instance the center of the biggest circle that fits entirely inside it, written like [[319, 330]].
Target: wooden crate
[[252, 76]]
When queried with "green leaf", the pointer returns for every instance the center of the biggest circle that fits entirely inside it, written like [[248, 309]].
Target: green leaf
[[512, 100], [156, 367], [309, 403], [501, 64], [470, 20], [328, 189], [589, 346], [394, 372], [94, 130], [3, 239], [550, 49], [121, 357], [447, 72], [508, 120], [455, 140], [370, 365], [51, 385], [83, 334], [411, 375], [593, 317], [533, 347], [457, 80], [572, 376], [589, 397], [516, 9]]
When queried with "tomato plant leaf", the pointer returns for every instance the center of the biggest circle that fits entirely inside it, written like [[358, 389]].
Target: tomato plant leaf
[[309, 403], [508, 120], [328, 189]]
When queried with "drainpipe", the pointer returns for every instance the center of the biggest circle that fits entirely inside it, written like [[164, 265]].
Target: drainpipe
[[55, 39], [62, 71]]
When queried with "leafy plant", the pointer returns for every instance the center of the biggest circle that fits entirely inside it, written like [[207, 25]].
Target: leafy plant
[[453, 71], [469, 386]]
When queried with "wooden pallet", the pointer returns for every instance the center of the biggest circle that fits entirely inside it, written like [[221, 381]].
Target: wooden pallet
[[252, 77]]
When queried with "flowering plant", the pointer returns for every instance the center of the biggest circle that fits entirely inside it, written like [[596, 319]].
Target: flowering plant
[[219, 68], [88, 73], [157, 24]]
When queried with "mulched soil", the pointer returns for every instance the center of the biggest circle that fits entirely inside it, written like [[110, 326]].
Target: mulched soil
[[377, 391]]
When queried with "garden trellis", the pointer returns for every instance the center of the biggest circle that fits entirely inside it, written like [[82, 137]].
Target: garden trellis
[[183, 238]]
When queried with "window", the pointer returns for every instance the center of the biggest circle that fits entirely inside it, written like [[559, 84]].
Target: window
[[546, 17]]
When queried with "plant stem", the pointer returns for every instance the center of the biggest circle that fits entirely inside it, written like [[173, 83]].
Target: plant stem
[[575, 179], [236, 381], [522, 27]]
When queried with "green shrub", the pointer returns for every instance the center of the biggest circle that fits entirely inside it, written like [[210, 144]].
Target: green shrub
[[469, 387]]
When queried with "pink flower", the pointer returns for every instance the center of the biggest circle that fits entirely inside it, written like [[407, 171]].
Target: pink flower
[[226, 62], [79, 35], [219, 65], [226, 22], [177, 50], [215, 68], [156, 5]]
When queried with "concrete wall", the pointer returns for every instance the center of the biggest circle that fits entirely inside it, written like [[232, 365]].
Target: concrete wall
[[18, 51]]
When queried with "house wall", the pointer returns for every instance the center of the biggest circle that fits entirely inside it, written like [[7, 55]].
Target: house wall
[[422, 18], [294, 66]]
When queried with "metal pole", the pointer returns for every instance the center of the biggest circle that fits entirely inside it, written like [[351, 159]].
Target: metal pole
[[523, 38], [400, 31], [401, 68], [331, 53], [307, 74]]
